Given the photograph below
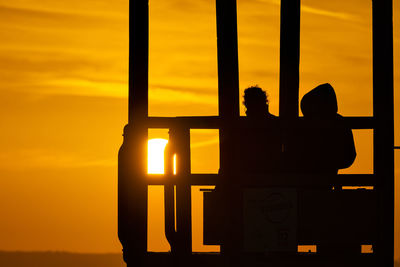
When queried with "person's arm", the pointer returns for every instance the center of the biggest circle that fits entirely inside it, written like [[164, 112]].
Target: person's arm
[[347, 151]]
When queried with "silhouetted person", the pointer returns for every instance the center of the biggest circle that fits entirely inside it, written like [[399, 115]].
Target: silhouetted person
[[259, 144], [326, 144], [332, 141], [257, 152], [256, 103]]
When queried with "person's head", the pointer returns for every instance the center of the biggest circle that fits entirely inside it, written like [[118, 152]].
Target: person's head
[[320, 102], [255, 101]]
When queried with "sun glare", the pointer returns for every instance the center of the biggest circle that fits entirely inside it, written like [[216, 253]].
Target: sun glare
[[155, 156]]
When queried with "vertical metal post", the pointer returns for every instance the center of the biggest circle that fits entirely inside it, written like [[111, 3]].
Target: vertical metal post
[[228, 100], [228, 72], [138, 60], [289, 59], [138, 81], [183, 192], [132, 157], [228, 76], [384, 129], [169, 192]]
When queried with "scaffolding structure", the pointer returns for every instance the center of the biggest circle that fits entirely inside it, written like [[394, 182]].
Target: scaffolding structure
[[133, 180]]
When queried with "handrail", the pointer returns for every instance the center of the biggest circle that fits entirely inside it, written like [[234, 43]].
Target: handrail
[[273, 180], [177, 207], [215, 122]]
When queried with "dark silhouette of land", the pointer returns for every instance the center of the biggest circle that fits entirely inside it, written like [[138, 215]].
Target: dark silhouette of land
[[59, 259]]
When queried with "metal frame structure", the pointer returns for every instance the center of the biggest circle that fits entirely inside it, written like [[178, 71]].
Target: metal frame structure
[[133, 179]]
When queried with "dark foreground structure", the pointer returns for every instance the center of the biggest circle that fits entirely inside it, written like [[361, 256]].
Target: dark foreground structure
[[259, 219]]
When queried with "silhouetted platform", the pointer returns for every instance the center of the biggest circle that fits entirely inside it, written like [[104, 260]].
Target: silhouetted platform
[[303, 259], [304, 210]]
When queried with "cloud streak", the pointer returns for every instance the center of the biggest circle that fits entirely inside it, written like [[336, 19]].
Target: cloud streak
[[328, 13], [318, 11]]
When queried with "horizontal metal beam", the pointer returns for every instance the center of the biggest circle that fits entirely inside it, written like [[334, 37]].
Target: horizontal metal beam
[[273, 180], [214, 122]]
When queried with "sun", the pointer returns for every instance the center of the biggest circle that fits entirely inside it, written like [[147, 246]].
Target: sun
[[155, 155]]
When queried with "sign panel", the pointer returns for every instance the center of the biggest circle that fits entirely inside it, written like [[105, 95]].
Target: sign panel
[[270, 219]]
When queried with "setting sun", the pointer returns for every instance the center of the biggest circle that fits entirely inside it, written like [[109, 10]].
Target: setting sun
[[155, 156]]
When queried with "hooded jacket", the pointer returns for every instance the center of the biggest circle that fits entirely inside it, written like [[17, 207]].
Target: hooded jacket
[[326, 144]]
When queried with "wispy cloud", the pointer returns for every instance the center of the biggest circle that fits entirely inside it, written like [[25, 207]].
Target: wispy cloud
[[318, 11], [58, 50], [160, 95], [40, 158], [209, 142], [328, 13], [101, 8]]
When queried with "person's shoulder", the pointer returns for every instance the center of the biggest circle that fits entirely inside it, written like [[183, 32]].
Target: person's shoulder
[[271, 116], [273, 122]]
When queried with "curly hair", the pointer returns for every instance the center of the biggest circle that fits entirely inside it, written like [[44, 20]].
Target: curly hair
[[254, 94]]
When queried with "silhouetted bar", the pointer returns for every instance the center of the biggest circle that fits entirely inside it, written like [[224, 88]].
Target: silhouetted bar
[[276, 180], [289, 59], [228, 85], [169, 192], [216, 122], [132, 159], [384, 131], [228, 78], [138, 60], [181, 141], [187, 122], [228, 73]]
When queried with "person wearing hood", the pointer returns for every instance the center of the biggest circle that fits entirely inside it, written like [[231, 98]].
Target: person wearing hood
[[326, 144]]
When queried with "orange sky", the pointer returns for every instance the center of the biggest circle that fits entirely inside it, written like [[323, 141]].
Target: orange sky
[[63, 98]]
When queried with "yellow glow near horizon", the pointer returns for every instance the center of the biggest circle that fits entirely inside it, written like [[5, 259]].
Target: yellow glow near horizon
[[174, 163], [155, 155]]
